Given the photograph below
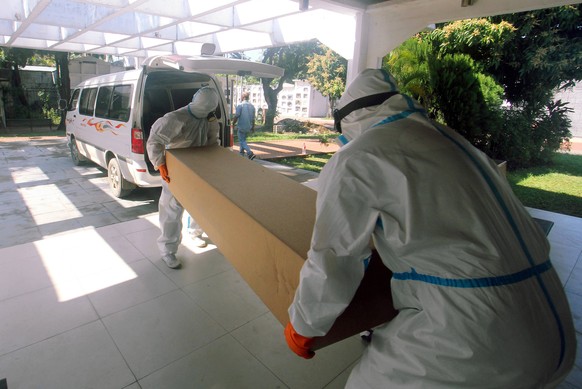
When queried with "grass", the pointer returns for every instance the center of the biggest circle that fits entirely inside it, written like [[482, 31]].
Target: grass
[[554, 188], [264, 136], [258, 136]]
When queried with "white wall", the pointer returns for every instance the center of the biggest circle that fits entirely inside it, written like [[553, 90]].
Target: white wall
[[574, 97], [299, 99], [83, 68]]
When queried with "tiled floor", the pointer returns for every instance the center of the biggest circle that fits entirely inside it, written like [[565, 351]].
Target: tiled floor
[[91, 305]]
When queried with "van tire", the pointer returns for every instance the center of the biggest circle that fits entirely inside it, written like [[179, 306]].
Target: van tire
[[76, 156], [117, 183]]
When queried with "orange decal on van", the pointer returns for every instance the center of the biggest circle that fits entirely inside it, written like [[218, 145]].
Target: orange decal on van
[[104, 125]]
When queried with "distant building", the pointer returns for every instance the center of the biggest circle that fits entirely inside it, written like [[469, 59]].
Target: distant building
[[302, 100], [299, 99], [574, 97], [83, 68]]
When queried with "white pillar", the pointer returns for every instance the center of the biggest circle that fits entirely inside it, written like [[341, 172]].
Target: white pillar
[[358, 62]]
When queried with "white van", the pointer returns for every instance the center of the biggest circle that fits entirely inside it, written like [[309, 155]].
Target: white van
[[109, 117]]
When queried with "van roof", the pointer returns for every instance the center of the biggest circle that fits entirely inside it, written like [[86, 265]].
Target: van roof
[[118, 77], [189, 64]]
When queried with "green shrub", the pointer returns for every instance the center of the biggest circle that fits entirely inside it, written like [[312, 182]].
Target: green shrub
[[530, 140]]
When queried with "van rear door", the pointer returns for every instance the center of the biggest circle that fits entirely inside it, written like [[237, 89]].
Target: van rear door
[[215, 65]]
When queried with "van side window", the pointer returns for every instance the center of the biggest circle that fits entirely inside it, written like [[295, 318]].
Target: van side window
[[103, 100], [121, 103], [74, 100], [114, 102], [87, 101]]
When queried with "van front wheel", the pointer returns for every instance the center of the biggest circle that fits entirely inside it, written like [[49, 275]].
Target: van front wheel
[[117, 183], [76, 156]]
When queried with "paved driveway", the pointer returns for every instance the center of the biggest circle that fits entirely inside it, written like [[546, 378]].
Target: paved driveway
[[42, 193]]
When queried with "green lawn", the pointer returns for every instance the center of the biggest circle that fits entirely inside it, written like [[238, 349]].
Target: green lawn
[[555, 188]]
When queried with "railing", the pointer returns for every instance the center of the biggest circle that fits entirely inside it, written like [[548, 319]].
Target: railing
[[30, 123]]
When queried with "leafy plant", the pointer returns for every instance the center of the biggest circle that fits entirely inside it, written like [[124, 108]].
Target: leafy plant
[[327, 73], [461, 71]]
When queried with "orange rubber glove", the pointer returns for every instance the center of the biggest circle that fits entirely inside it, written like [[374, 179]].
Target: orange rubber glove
[[164, 172], [299, 344]]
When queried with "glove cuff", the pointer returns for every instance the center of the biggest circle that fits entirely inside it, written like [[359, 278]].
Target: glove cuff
[[299, 344]]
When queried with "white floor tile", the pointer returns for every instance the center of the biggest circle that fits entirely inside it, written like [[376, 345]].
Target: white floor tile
[[39, 315], [18, 251], [123, 247], [574, 283], [222, 364], [84, 357], [158, 332], [110, 292], [137, 225], [264, 339], [145, 241], [196, 266], [228, 299], [22, 275]]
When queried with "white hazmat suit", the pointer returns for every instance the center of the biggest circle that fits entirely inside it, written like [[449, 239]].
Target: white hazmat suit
[[185, 127], [479, 303]]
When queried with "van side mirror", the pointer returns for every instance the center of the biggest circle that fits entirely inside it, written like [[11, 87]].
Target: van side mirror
[[62, 104]]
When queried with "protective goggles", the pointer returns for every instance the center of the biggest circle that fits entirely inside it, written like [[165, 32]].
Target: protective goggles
[[362, 102]]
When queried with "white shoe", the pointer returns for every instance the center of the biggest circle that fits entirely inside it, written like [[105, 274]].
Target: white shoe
[[172, 261], [199, 242]]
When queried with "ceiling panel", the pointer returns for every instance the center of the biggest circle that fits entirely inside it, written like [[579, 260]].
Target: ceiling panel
[[137, 27]]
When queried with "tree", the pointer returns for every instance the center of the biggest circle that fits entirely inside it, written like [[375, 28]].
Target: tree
[[15, 58], [327, 73], [63, 82], [459, 70], [443, 70], [409, 64], [293, 59], [545, 55]]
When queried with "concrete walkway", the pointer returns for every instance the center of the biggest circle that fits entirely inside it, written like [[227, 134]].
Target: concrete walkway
[[289, 148], [87, 302]]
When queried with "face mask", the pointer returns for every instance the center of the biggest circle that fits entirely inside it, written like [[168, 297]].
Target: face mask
[[362, 102]]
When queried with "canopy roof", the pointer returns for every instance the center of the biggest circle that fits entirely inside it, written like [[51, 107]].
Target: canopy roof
[[360, 30], [142, 28]]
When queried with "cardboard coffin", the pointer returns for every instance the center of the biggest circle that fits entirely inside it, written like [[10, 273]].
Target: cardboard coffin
[[262, 223]]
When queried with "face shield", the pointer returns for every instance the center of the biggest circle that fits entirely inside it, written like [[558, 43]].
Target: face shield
[[204, 101], [370, 88]]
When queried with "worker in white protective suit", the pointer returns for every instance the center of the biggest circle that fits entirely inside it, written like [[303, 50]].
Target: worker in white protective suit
[[480, 305], [189, 126]]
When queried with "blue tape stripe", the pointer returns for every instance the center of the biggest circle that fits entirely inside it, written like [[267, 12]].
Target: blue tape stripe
[[399, 116], [367, 262], [388, 79], [343, 139], [484, 282], [518, 235]]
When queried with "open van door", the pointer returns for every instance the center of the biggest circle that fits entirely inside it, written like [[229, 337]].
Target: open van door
[[215, 65]]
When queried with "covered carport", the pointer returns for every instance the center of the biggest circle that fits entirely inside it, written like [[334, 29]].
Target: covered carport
[[362, 31], [93, 306]]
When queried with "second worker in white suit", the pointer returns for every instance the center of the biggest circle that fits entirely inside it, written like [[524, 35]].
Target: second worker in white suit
[[189, 126], [480, 305]]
